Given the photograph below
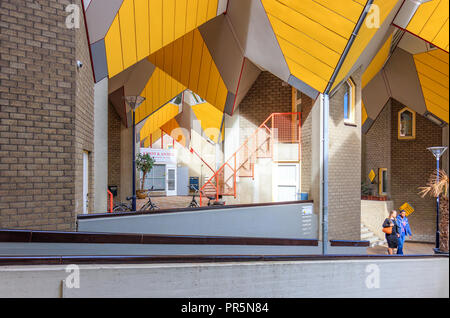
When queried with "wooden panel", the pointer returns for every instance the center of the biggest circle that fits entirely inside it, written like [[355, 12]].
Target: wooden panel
[[312, 35], [159, 90], [113, 46], [210, 119], [322, 15], [432, 73], [304, 42], [142, 29], [128, 33], [205, 69], [430, 22], [363, 38], [304, 59], [432, 70], [351, 10], [312, 79], [191, 17], [377, 62], [168, 21], [202, 12], [156, 32], [180, 18]]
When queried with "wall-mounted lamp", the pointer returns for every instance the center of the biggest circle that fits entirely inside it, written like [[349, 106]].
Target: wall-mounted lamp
[[434, 119]]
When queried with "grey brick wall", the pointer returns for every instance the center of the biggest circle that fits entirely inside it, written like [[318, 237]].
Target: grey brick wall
[[39, 120], [84, 116], [345, 168]]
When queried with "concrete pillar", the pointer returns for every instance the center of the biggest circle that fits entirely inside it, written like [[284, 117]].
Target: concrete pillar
[[317, 160], [100, 146]]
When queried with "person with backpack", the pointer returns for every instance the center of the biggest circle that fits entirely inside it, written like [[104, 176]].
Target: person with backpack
[[392, 231], [405, 230]]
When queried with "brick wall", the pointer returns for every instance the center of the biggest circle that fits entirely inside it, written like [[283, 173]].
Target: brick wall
[[377, 148], [114, 125], [266, 96], [306, 104], [345, 168], [42, 130], [411, 166], [84, 116]]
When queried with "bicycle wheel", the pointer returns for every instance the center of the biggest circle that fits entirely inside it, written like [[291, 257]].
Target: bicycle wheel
[[121, 207]]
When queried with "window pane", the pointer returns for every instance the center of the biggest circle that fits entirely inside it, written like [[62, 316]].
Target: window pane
[[346, 106], [384, 189], [406, 119]]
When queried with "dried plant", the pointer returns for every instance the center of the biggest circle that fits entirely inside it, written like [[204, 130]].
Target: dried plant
[[434, 188], [439, 189]]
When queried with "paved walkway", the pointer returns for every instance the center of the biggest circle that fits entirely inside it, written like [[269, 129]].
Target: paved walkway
[[410, 248], [168, 202], [183, 201]]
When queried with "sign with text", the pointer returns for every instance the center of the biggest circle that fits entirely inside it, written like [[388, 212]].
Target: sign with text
[[161, 156], [408, 208]]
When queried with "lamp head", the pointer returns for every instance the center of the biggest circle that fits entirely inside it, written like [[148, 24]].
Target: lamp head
[[437, 151]]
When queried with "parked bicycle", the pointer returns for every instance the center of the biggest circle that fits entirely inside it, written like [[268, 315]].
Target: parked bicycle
[[211, 199], [126, 207]]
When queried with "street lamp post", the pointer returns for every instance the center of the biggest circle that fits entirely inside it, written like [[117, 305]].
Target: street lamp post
[[437, 152], [134, 102]]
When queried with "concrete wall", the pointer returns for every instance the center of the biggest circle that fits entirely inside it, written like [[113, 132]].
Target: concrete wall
[[284, 220], [329, 278], [373, 214], [100, 145]]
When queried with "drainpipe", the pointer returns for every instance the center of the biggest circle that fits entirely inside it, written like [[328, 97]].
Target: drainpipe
[[325, 120]]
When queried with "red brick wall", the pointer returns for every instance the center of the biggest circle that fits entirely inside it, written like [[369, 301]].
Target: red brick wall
[[267, 95], [411, 166], [114, 124]]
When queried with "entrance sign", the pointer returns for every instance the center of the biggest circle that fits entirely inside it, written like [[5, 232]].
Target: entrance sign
[[161, 156]]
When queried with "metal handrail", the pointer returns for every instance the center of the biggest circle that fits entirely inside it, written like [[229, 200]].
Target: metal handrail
[[231, 162]]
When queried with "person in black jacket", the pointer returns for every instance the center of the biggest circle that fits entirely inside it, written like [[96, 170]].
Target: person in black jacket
[[392, 239]]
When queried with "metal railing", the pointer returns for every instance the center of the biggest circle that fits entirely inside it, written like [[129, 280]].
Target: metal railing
[[278, 128]]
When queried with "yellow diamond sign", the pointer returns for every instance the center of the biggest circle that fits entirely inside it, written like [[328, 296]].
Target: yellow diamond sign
[[408, 209], [371, 175]]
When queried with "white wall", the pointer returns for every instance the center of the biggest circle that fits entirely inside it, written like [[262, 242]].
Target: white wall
[[424, 277], [373, 214], [100, 170]]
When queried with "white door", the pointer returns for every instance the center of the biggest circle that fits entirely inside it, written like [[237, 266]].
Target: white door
[[171, 180], [85, 182], [286, 185]]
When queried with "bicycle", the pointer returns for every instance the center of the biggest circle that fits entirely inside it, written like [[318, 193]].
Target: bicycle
[[195, 204], [126, 207]]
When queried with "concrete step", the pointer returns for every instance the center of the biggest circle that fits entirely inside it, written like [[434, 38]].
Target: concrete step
[[368, 235]]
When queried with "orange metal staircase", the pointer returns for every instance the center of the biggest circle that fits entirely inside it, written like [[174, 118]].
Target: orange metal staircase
[[278, 128]]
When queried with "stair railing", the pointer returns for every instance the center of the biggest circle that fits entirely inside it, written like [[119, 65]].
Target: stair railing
[[279, 128]]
